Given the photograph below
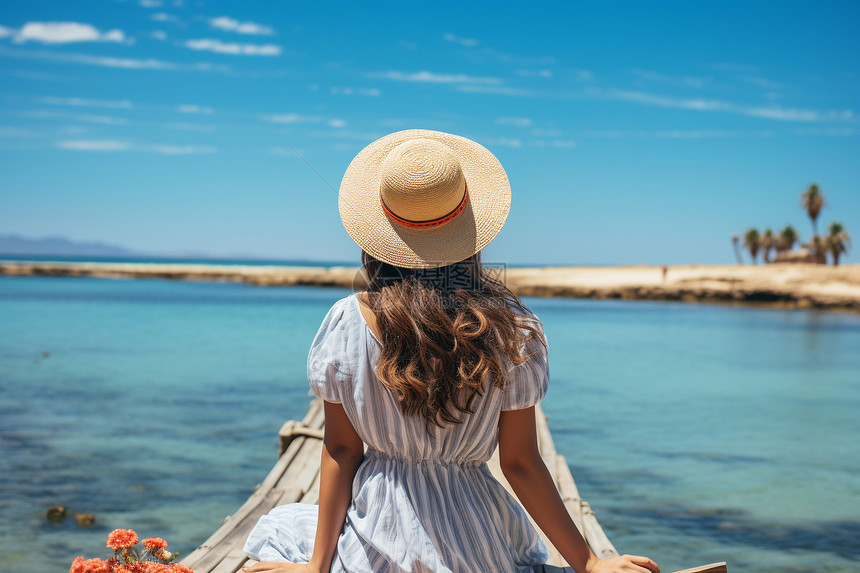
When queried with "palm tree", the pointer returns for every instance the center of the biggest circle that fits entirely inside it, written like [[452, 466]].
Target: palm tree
[[787, 238], [735, 240], [818, 250], [837, 241], [813, 200], [751, 243], [767, 242]]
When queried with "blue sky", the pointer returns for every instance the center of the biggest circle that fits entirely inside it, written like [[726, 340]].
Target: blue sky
[[632, 132]]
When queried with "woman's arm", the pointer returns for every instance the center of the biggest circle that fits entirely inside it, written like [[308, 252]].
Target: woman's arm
[[525, 470], [342, 453]]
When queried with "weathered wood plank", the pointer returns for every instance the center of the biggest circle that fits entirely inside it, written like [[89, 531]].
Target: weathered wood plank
[[295, 483], [545, 443], [594, 534], [232, 562], [313, 494], [569, 493]]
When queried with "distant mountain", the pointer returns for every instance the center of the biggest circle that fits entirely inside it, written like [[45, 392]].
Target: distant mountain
[[18, 245], [56, 246]]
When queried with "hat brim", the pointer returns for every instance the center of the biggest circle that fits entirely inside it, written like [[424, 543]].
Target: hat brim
[[484, 215]]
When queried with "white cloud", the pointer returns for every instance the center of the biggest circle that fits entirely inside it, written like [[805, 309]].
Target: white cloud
[[111, 62], [516, 121], [664, 101], [194, 108], [151, 3], [31, 75], [80, 117], [685, 81], [696, 133], [496, 90], [506, 141], [535, 73], [159, 34], [486, 53], [429, 77], [165, 17], [81, 102], [371, 92], [114, 36], [771, 112], [466, 42], [231, 25], [6, 32], [293, 118], [117, 145], [62, 33], [792, 114], [177, 149], [233, 48], [94, 145], [677, 134], [832, 132], [11, 132], [337, 123], [762, 82]]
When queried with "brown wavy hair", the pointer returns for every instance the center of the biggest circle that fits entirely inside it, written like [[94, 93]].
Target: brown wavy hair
[[444, 332]]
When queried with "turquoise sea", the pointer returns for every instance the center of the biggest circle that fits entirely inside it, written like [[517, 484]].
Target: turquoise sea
[[698, 433]]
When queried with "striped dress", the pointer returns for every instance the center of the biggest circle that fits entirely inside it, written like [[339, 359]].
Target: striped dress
[[419, 504]]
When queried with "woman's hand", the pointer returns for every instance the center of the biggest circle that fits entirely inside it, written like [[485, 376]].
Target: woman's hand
[[280, 567], [625, 564]]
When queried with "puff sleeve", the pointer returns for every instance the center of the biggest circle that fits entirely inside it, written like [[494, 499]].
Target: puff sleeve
[[527, 383], [329, 372]]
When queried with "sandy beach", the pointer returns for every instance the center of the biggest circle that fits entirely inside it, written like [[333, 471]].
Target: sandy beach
[[777, 285]]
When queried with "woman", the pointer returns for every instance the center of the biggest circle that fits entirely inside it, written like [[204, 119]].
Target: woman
[[431, 367]]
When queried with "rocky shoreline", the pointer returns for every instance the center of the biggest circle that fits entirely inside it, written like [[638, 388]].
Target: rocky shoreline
[[793, 286]]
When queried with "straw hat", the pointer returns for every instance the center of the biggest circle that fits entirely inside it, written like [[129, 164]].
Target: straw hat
[[424, 199]]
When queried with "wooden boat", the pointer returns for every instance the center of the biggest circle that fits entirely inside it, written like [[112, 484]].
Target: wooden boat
[[295, 478]]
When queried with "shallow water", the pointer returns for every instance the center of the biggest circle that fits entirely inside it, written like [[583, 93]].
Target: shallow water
[[697, 433]]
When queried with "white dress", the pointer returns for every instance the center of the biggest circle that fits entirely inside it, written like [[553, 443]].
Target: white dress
[[418, 504]]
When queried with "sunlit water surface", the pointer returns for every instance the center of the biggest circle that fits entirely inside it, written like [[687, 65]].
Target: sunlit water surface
[[697, 433]]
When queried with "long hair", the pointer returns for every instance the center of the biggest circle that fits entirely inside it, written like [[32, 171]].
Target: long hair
[[445, 332]]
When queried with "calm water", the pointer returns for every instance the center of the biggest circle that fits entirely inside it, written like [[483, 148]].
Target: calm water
[[697, 433]]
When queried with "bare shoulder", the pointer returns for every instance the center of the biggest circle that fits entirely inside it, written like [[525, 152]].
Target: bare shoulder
[[363, 302], [367, 313]]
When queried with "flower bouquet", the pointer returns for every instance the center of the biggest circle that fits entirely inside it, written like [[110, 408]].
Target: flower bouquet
[[155, 558]]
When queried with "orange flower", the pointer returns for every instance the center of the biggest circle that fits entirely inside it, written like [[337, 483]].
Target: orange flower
[[151, 567], [180, 568], [96, 566], [79, 565], [121, 539], [154, 542]]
